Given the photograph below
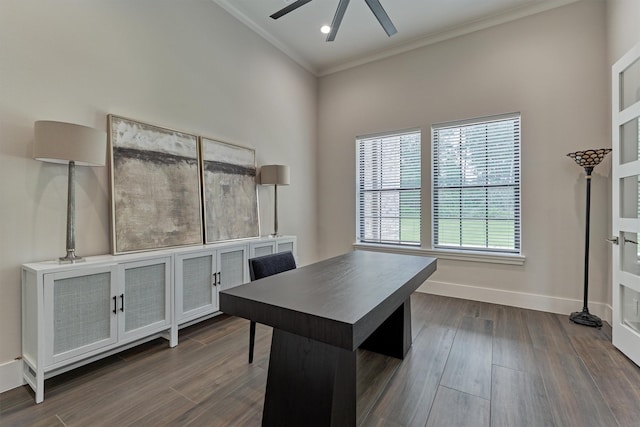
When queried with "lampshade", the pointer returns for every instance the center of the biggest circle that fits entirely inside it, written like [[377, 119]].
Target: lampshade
[[60, 142], [274, 175], [589, 158]]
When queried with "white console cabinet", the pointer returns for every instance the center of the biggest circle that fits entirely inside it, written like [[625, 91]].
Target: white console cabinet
[[73, 314]]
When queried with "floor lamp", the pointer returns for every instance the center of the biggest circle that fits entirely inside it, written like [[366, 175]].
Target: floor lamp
[[588, 159], [274, 175], [71, 144]]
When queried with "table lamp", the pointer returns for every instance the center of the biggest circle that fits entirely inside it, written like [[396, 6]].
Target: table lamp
[[274, 175], [588, 159], [71, 144]]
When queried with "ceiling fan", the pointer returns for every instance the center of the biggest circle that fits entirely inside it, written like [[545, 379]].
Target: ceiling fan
[[374, 5]]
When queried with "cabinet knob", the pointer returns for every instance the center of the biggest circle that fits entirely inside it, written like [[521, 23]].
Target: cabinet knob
[[121, 302], [115, 305]]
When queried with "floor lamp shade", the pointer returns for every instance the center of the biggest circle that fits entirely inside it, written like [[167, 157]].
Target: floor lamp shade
[[275, 175], [68, 143], [60, 142]]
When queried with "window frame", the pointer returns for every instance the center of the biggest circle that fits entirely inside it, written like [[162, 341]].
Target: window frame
[[516, 252], [360, 240]]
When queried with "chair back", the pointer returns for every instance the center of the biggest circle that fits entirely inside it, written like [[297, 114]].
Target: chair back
[[268, 265]]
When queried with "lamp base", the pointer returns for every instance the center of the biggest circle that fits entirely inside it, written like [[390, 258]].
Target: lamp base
[[71, 257], [585, 318], [275, 235]]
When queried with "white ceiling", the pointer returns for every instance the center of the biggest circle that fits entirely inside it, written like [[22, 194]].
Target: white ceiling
[[360, 38]]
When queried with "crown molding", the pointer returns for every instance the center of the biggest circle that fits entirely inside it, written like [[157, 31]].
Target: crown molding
[[450, 33], [229, 8], [433, 38]]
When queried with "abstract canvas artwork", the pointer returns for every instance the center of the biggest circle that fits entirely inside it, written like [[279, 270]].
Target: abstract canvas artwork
[[229, 188], [155, 187]]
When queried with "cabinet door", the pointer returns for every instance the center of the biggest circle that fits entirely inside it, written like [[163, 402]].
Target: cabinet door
[[262, 248], [144, 301], [287, 244], [79, 312], [232, 266], [195, 285]]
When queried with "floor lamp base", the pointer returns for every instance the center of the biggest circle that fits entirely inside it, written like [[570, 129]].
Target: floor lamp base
[[71, 257], [585, 318]]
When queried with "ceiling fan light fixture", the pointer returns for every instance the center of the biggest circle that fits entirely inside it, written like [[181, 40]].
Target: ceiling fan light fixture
[[374, 5]]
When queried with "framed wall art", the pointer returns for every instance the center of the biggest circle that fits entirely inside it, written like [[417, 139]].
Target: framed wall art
[[155, 187], [229, 191]]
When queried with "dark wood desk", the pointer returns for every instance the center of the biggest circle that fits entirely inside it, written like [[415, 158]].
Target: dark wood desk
[[321, 314]]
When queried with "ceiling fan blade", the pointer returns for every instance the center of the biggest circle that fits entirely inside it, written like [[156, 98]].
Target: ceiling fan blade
[[337, 19], [382, 16], [293, 6]]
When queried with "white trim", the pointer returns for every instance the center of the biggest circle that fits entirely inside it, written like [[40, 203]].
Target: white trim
[[516, 299], [491, 258], [476, 120], [10, 375], [399, 132]]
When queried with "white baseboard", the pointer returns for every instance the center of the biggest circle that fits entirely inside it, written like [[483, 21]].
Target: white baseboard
[[515, 299], [10, 375]]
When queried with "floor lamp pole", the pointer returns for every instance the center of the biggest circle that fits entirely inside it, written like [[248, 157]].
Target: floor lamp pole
[[275, 211], [71, 217], [584, 317]]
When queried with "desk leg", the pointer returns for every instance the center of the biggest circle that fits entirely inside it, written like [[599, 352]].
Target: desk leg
[[309, 383], [393, 336]]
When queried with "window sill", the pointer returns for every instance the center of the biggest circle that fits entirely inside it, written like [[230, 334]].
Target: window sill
[[492, 258]]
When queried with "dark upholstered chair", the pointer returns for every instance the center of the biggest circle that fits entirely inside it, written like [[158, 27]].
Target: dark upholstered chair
[[265, 266]]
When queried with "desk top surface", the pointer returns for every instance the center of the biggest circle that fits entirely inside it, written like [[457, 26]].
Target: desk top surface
[[340, 295]]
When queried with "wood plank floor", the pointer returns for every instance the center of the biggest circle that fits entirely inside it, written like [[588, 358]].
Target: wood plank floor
[[471, 364]]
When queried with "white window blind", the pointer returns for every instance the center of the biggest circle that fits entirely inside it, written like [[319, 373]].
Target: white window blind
[[476, 184], [388, 188]]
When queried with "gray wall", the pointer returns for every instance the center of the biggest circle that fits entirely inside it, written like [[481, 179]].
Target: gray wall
[[186, 65], [552, 67]]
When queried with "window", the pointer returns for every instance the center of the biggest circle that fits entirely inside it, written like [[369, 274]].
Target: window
[[476, 184], [388, 188]]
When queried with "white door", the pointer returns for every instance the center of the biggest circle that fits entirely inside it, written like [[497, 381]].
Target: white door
[[626, 204]]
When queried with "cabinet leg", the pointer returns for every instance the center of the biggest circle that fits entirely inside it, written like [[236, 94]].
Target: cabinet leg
[[174, 337], [39, 387]]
